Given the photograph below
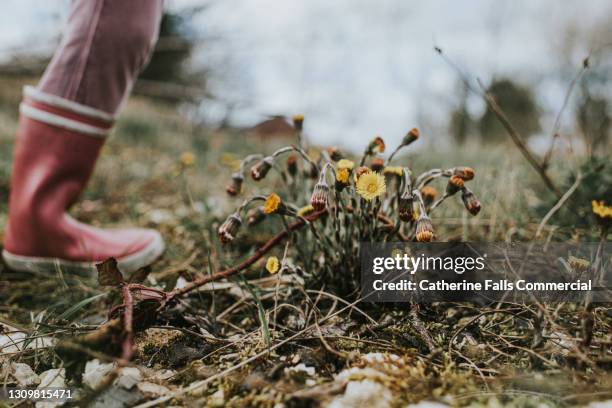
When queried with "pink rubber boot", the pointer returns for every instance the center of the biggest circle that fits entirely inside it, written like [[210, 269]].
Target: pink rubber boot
[[57, 145]]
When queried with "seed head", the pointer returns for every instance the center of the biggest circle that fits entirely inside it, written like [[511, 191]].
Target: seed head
[[429, 194], [455, 183], [470, 201], [377, 164], [370, 185], [292, 167], [318, 200], [466, 173], [424, 229], [235, 186], [227, 231], [261, 168], [273, 204], [298, 122]]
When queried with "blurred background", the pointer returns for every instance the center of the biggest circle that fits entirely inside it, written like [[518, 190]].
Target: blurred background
[[359, 68]]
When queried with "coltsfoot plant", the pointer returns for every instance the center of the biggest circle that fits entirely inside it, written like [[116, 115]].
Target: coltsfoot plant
[[344, 204]]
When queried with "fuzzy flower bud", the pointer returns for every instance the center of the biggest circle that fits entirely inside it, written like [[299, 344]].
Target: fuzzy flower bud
[[255, 216], [455, 183], [429, 194], [227, 231], [377, 164], [361, 171], [334, 153], [410, 137], [298, 122], [470, 201], [424, 229], [261, 168], [235, 186], [318, 200], [466, 173], [405, 208], [292, 167], [376, 145]]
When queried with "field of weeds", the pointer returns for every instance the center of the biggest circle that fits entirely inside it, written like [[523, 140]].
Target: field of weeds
[[256, 300]]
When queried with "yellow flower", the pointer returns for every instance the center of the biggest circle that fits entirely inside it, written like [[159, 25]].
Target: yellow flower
[[272, 204], [370, 185], [342, 176], [345, 164], [187, 159], [272, 265], [601, 210], [306, 210], [394, 171]]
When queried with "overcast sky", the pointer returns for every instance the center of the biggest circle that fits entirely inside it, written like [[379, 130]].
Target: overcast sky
[[357, 68]]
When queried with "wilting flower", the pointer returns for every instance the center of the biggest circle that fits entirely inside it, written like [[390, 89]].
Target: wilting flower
[[227, 231], [292, 167], [342, 178], [305, 210], [255, 216], [334, 153], [261, 168], [429, 194], [410, 137], [273, 204], [272, 264], [377, 164], [455, 183], [235, 187], [602, 212], [187, 159], [424, 228], [318, 199], [405, 208], [370, 185], [345, 164], [470, 201], [466, 173], [394, 171], [298, 122]]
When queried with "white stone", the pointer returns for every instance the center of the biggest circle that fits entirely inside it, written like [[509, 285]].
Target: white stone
[[25, 376], [95, 372]]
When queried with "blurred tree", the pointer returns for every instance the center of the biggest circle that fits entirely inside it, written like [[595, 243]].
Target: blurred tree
[[461, 122], [593, 118], [518, 104]]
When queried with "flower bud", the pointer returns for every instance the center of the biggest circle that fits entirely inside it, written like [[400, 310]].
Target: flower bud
[[261, 168], [334, 153], [376, 145], [318, 200], [466, 173], [235, 186], [429, 194], [405, 208], [255, 216], [455, 183], [361, 171], [292, 167], [410, 137], [298, 122], [377, 164], [470, 201], [227, 231], [274, 205], [345, 164], [424, 229], [342, 178]]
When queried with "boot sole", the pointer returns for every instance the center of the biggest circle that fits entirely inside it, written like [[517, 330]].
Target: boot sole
[[127, 264]]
